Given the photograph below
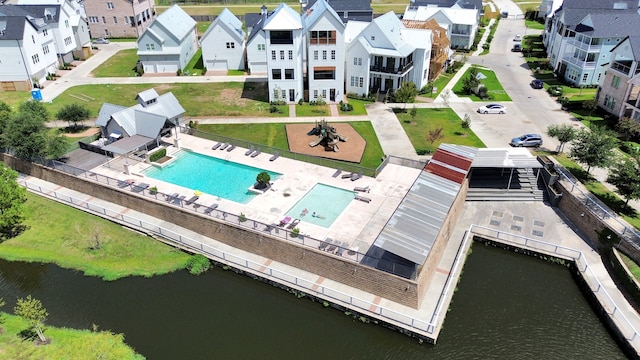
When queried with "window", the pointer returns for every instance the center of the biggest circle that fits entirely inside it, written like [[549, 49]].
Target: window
[[315, 54], [315, 94], [110, 6], [281, 37], [67, 40], [609, 102], [322, 37], [345, 15], [276, 74], [599, 76], [33, 39], [585, 77], [150, 46], [615, 82], [35, 58], [45, 32], [361, 82], [261, 47], [284, 94], [373, 38], [324, 93], [275, 94], [104, 20], [357, 61], [273, 54], [324, 54], [281, 54], [333, 54], [115, 20], [353, 81], [45, 49], [66, 24], [288, 74], [231, 45], [290, 54], [324, 73]]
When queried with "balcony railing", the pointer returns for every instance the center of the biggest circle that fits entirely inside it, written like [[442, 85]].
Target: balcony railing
[[326, 41], [619, 67], [585, 65], [583, 46], [392, 70]]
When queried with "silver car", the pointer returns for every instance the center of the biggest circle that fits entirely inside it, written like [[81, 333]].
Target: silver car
[[101, 41], [492, 109], [527, 140]]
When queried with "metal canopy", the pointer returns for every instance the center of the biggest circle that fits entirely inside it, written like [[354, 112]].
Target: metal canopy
[[128, 144], [519, 158]]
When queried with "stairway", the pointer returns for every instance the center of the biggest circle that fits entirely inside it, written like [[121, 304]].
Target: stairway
[[493, 185]]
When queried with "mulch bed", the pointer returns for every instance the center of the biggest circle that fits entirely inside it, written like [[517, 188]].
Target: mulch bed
[[351, 150]]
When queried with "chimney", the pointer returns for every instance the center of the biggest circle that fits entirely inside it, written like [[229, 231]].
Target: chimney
[[263, 10]]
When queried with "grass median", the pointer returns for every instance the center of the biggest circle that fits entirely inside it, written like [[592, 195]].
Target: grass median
[[65, 343], [67, 237]]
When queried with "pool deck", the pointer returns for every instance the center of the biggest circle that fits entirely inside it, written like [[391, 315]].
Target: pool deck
[[358, 225]]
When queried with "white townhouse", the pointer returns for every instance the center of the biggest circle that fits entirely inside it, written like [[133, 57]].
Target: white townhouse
[[257, 45], [27, 49], [285, 51], [65, 20], [324, 39], [383, 54], [580, 34], [169, 43], [223, 44], [461, 24]]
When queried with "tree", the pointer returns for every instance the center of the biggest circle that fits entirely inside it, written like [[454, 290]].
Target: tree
[[471, 81], [12, 198], [625, 176], [31, 310], [5, 116], [445, 95], [413, 112], [628, 128], [593, 147], [590, 105], [263, 180], [407, 92], [435, 135], [27, 135], [35, 109], [74, 113], [564, 133], [57, 146]]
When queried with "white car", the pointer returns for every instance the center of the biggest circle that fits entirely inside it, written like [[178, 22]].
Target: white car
[[517, 38], [492, 109], [101, 41]]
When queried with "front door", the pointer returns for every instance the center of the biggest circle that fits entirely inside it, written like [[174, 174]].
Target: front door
[[332, 94], [292, 95], [388, 84]]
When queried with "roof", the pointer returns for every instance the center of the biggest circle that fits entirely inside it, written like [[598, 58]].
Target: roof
[[50, 13], [176, 21], [455, 16], [573, 11], [105, 113], [519, 158], [439, 33], [609, 23], [16, 18], [392, 38], [353, 30], [251, 19], [465, 4], [230, 21], [283, 18], [127, 144], [147, 95], [347, 5], [634, 43], [316, 11]]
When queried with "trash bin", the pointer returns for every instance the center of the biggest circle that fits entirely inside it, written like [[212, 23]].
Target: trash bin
[[36, 94]]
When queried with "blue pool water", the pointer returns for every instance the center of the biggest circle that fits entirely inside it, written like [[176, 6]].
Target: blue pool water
[[226, 179], [327, 201]]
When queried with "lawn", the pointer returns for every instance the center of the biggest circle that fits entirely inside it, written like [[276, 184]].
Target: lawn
[[312, 110], [495, 90], [65, 343], [195, 66], [358, 107], [274, 135], [429, 120], [633, 267], [533, 24], [122, 64], [202, 99], [60, 234], [439, 83]]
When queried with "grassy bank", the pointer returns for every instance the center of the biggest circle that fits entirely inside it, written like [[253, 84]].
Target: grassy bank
[[65, 343], [122, 64], [494, 88], [61, 234]]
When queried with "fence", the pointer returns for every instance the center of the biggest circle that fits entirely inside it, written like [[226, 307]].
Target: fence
[[608, 304], [260, 269]]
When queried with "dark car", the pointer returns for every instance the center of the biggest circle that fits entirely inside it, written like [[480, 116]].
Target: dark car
[[527, 140], [537, 84]]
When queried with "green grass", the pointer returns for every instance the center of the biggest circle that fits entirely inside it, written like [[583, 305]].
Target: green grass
[[65, 343], [495, 90], [312, 110], [533, 24], [439, 83], [195, 66], [122, 64], [235, 72], [430, 119], [60, 234], [631, 265], [358, 107], [274, 135], [201, 99]]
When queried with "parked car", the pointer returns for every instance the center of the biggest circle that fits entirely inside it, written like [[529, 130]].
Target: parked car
[[517, 47], [101, 41], [537, 84], [517, 38], [527, 140], [492, 109]]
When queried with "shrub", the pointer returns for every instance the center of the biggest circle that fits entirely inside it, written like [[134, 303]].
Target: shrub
[[179, 72], [158, 155], [273, 109], [345, 106], [630, 147], [263, 178], [242, 217], [295, 232], [423, 151], [198, 264]]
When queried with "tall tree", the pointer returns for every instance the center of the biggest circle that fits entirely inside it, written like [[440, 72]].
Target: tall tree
[[35, 109], [5, 116], [593, 147], [74, 114], [407, 92], [628, 128], [34, 313], [27, 135], [625, 176], [12, 199], [471, 81], [564, 133]]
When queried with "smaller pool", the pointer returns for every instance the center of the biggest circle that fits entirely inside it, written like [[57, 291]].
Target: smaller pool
[[226, 179], [328, 202]]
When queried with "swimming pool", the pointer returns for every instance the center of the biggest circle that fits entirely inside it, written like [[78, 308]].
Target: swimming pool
[[226, 179], [326, 201]]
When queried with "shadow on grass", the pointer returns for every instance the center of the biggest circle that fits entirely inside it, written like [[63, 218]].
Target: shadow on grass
[[616, 204], [255, 91]]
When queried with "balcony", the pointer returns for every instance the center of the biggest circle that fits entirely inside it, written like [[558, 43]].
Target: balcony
[[584, 65], [391, 69], [584, 46], [620, 67]]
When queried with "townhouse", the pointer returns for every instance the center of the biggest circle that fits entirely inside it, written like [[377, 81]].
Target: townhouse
[[28, 49], [461, 23], [619, 90], [119, 18], [223, 44]]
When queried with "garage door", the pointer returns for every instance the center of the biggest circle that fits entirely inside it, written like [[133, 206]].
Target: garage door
[[219, 65], [166, 67]]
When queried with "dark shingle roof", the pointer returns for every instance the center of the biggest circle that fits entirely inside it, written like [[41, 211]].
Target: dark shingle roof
[[250, 19], [346, 5], [611, 23], [39, 11], [15, 17], [465, 4]]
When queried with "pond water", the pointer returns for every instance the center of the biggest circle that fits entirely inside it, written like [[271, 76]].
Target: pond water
[[507, 306]]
